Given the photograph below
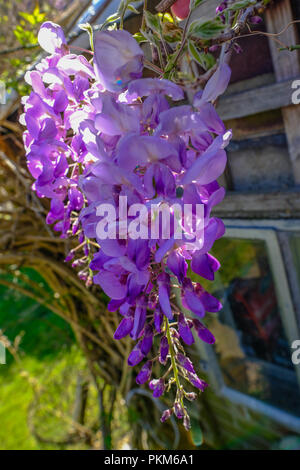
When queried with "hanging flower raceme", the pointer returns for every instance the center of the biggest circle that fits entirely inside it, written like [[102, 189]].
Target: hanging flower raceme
[[120, 165]]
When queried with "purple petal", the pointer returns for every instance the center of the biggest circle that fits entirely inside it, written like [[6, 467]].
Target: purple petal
[[210, 165], [144, 374], [124, 328], [177, 264], [163, 281], [117, 59], [134, 150], [198, 383], [51, 37], [185, 362], [111, 285], [193, 303], [163, 350], [147, 340], [210, 303], [148, 86], [139, 322], [203, 332], [216, 85], [135, 356], [184, 330], [204, 265], [158, 319], [158, 387]]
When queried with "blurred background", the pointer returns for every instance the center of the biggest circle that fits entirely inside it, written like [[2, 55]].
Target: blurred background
[[64, 382]]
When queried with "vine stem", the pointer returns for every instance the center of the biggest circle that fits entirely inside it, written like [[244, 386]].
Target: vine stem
[[173, 361], [183, 39], [144, 19]]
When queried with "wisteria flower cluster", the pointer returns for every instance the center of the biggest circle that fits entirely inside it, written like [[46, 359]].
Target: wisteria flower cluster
[[97, 131]]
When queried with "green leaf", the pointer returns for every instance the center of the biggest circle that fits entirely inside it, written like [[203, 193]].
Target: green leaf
[[206, 60], [113, 17], [139, 37], [241, 4], [165, 17], [89, 29], [207, 29], [133, 9], [196, 432], [152, 21], [110, 19], [194, 52], [170, 63]]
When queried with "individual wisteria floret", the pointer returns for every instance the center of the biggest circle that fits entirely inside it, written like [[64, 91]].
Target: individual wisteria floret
[[98, 132]]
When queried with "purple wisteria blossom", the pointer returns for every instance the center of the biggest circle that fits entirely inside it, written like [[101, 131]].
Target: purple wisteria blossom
[[99, 132]]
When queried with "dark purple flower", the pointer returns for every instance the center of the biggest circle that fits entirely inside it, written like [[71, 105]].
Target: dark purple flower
[[203, 332], [205, 265], [178, 410], [145, 373], [158, 386], [136, 355], [163, 281], [56, 212], [177, 264], [255, 19], [124, 328], [158, 318], [163, 350], [139, 321], [166, 415], [112, 283], [159, 180], [221, 7], [198, 383], [185, 362], [185, 330], [147, 340]]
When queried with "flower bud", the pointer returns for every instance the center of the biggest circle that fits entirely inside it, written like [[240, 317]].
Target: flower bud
[[163, 350], [178, 410], [145, 373], [191, 396], [187, 422], [166, 415]]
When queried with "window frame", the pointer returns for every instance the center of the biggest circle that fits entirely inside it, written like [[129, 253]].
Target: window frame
[[267, 232]]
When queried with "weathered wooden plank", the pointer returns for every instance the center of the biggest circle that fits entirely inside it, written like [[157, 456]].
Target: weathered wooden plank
[[255, 101], [286, 65], [260, 205]]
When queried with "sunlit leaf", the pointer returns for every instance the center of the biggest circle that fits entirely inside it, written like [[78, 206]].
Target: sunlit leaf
[[207, 29], [152, 21]]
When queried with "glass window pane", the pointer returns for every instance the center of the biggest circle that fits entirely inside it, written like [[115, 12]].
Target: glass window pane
[[254, 354]]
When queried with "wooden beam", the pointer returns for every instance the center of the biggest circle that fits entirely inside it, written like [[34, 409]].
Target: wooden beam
[[274, 205], [255, 101], [286, 66]]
